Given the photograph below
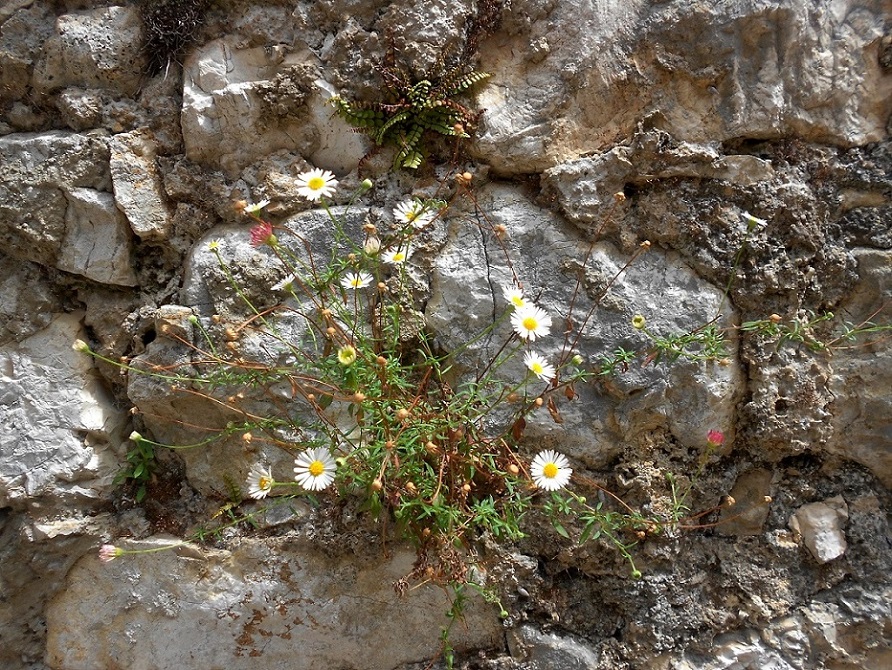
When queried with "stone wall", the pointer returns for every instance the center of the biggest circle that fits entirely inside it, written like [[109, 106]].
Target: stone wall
[[129, 130]]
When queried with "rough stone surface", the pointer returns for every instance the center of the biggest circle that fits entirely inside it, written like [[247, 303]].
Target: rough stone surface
[[97, 48], [821, 525], [702, 114], [568, 82], [302, 609], [97, 239], [137, 184], [61, 426]]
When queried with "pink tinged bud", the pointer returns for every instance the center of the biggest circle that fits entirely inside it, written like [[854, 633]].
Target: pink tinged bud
[[262, 234], [715, 437], [109, 552]]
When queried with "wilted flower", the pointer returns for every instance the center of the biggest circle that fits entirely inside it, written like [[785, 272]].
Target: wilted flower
[[372, 246], [260, 481], [109, 552], [316, 184], [538, 366], [262, 234], [314, 469], [530, 322], [356, 280], [414, 212], [550, 470], [347, 355]]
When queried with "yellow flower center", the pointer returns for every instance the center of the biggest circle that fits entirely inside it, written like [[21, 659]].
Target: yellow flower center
[[317, 468], [517, 301], [530, 323], [537, 368], [316, 183], [264, 483], [550, 470], [399, 256]]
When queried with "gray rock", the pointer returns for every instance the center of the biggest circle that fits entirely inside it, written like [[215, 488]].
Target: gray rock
[[546, 255], [862, 372], [35, 171], [820, 525], [62, 429], [276, 603], [709, 71], [227, 92], [97, 241], [548, 651], [139, 191], [96, 48]]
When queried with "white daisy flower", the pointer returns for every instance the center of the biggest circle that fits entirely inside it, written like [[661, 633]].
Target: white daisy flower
[[397, 256], [414, 212], [260, 481], [356, 280], [347, 355], [316, 184], [285, 284], [514, 295], [530, 322], [538, 366], [314, 469], [550, 470], [256, 207]]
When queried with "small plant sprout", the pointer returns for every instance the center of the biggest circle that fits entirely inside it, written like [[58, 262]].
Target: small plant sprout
[[550, 470], [260, 481], [314, 469], [356, 280], [531, 322], [538, 366], [316, 184]]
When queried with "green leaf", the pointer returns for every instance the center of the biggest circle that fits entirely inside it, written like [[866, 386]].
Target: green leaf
[[561, 530]]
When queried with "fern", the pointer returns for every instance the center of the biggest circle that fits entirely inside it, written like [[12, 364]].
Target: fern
[[419, 107]]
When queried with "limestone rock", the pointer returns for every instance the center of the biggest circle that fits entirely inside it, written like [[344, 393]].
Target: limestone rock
[[226, 122], [541, 651], [708, 71], [862, 371], [750, 509], [547, 254], [61, 427], [138, 186], [820, 525], [26, 25], [95, 48], [35, 171], [271, 603], [97, 239]]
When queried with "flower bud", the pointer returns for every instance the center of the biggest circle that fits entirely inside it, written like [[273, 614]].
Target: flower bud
[[366, 184], [638, 322]]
